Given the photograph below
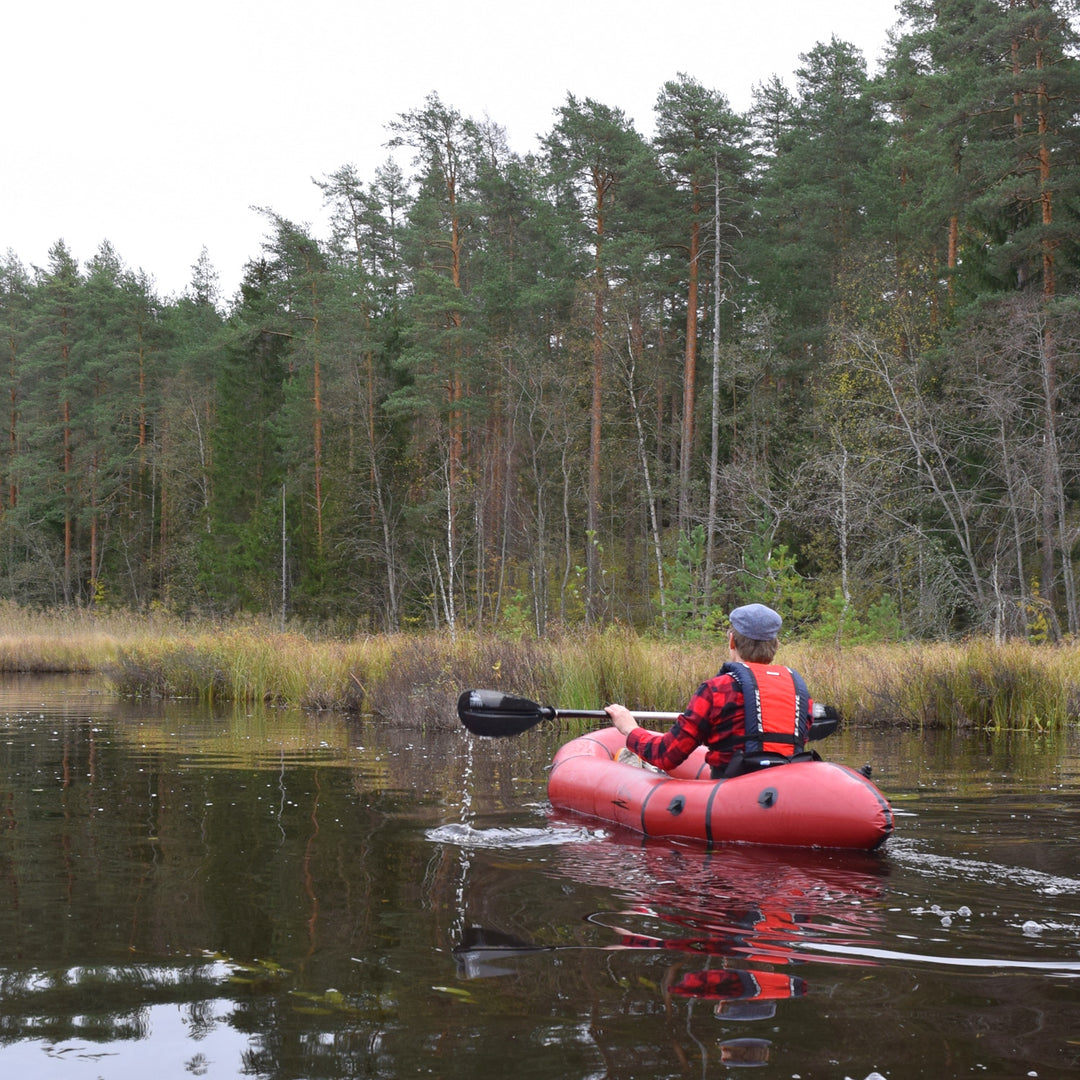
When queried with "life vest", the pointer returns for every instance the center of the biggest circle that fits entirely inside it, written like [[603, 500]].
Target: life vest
[[776, 707]]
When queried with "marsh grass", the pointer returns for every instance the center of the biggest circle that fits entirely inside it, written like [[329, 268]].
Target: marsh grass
[[416, 679], [66, 641]]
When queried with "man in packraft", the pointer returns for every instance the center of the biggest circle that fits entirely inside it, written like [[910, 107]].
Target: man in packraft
[[751, 711]]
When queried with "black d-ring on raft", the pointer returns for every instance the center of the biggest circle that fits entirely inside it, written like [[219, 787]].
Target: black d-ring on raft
[[767, 797]]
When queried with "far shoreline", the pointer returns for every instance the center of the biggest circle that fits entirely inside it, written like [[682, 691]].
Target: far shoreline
[[415, 679]]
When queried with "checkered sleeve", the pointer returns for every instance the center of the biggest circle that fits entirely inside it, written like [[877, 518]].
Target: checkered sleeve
[[688, 732]]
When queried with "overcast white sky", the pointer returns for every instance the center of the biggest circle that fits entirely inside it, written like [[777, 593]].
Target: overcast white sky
[[158, 126]]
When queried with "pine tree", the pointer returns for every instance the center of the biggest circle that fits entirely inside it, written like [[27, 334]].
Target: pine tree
[[245, 472], [193, 335], [361, 342], [47, 513], [593, 151], [440, 326], [702, 144], [15, 301], [815, 186], [113, 360], [986, 95]]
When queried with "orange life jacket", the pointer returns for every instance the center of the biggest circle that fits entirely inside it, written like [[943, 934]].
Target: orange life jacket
[[776, 707]]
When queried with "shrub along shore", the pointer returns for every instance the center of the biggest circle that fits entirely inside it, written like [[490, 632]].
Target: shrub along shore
[[415, 679]]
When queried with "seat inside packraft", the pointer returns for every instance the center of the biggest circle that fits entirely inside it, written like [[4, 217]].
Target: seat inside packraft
[[759, 760]]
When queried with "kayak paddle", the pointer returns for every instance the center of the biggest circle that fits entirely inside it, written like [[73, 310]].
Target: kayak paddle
[[495, 714]]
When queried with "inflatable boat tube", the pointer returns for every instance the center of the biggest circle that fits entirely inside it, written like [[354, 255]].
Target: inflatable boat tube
[[798, 804]]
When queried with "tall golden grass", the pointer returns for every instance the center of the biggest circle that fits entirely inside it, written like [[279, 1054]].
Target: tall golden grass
[[416, 679]]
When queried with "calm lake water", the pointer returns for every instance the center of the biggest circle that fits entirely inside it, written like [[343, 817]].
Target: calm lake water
[[271, 894]]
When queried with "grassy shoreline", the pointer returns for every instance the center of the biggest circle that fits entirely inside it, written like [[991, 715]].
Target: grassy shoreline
[[415, 679]]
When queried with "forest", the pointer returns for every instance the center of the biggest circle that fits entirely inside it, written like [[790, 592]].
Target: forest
[[824, 354]]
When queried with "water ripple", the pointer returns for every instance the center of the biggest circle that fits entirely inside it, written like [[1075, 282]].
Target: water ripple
[[466, 835], [1058, 967], [915, 858]]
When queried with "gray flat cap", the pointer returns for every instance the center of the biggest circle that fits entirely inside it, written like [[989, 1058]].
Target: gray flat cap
[[756, 621]]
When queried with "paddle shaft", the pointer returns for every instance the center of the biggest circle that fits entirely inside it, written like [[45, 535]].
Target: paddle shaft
[[600, 714], [822, 725]]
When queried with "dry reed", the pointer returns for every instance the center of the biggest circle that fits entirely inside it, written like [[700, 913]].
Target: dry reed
[[415, 679]]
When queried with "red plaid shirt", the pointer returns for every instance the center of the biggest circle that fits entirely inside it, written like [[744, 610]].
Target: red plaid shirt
[[713, 716]]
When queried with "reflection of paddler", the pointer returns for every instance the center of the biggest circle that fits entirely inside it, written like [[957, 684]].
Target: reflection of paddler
[[743, 993], [736, 985], [762, 936]]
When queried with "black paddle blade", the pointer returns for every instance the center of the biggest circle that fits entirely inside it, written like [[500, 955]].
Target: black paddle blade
[[495, 714], [820, 729], [826, 721]]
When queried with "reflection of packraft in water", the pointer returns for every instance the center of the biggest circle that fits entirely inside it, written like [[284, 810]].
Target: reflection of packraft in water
[[808, 803]]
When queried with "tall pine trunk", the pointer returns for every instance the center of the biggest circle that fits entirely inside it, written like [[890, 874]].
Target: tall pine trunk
[[686, 449], [592, 558]]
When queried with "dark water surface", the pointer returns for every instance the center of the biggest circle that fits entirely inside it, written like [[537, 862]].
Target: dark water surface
[[277, 895]]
